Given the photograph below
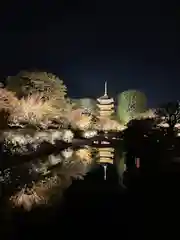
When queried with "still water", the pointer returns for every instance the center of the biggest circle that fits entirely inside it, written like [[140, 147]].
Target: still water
[[34, 182], [97, 200]]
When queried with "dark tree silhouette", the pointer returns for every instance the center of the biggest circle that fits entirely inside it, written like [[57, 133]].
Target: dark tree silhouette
[[170, 114], [143, 140]]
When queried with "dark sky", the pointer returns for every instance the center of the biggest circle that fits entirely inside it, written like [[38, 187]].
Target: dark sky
[[132, 45]]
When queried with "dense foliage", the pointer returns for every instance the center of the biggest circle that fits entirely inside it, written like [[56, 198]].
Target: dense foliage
[[36, 116], [27, 83], [130, 104]]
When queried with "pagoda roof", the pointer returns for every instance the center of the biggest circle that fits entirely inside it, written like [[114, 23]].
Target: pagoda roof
[[105, 99], [105, 96]]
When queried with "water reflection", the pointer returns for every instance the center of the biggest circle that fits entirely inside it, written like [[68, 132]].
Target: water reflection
[[121, 166], [50, 176], [43, 181], [106, 156]]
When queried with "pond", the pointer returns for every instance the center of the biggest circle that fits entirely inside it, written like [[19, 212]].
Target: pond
[[93, 197], [88, 205]]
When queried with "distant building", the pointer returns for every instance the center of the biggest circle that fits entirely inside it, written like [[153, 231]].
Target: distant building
[[105, 104]]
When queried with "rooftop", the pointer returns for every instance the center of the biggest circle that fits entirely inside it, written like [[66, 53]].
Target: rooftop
[[105, 96]]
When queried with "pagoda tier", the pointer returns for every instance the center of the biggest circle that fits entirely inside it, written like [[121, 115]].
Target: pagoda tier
[[105, 101], [105, 104], [106, 113], [106, 155], [105, 107]]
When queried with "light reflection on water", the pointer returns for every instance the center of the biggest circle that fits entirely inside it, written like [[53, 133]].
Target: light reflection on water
[[111, 160], [43, 181]]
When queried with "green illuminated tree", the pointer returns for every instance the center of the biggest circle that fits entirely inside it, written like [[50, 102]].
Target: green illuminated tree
[[130, 104]]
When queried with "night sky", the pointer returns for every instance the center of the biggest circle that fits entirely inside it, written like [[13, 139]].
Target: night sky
[[132, 45]]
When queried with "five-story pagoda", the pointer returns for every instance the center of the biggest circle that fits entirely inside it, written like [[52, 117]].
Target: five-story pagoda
[[105, 104]]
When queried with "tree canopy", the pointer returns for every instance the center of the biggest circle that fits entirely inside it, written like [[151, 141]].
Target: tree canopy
[[130, 104], [47, 85], [27, 83], [170, 113]]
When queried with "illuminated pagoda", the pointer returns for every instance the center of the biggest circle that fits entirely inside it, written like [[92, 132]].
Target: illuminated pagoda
[[105, 104], [106, 157]]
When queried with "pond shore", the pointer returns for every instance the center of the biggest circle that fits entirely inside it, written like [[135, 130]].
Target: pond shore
[[47, 145]]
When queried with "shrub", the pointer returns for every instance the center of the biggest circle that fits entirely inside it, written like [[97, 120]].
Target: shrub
[[34, 110], [8, 101], [106, 124]]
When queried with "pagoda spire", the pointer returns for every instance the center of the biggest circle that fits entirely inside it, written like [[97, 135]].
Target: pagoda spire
[[105, 88], [105, 171]]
